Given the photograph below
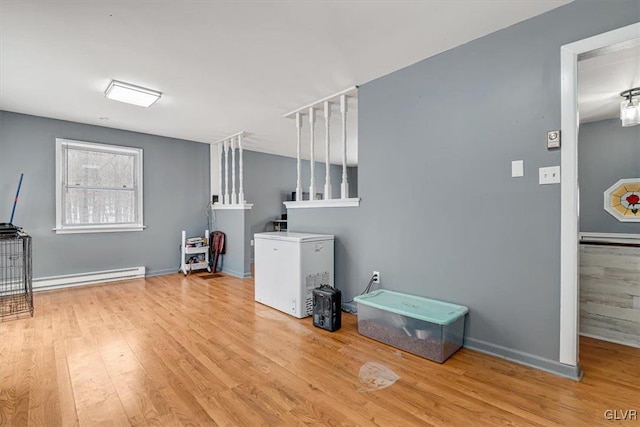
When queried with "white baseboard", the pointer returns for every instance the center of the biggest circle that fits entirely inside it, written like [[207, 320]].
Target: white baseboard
[[81, 279]]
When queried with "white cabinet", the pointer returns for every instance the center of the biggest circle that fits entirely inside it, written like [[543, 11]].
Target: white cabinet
[[288, 266]]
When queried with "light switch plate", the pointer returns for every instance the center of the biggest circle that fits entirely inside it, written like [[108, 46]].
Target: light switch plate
[[549, 175], [517, 168], [636, 302], [553, 139]]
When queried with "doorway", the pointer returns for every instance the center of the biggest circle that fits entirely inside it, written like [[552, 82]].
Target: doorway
[[569, 210]]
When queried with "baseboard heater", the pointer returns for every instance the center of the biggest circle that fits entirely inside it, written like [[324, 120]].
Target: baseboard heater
[[81, 279]]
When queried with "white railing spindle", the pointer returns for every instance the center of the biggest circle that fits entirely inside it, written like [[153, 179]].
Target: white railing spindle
[[220, 193], [226, 172], [327, 151], [312, 185], [299, 181], [344, 187], [241, 165], [234, 196]]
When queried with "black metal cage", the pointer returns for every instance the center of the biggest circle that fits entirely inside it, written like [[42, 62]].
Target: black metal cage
[[16, 291]]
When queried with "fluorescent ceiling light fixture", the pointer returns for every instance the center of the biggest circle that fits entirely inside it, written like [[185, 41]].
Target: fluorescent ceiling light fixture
[[131, 94], [630, 108]]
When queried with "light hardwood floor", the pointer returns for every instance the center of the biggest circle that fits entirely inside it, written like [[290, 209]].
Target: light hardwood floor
[[171, 350]]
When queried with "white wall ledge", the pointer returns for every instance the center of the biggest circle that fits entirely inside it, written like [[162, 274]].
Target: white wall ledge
[[219, 206], [330, 203]]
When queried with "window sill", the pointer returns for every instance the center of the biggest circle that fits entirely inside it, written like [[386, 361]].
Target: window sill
[[330, 203], [103, 229]]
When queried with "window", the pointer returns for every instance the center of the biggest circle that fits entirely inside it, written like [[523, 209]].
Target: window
[[98, 187]]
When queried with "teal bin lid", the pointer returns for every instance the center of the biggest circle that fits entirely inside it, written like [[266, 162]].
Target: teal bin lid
[[429, 310]]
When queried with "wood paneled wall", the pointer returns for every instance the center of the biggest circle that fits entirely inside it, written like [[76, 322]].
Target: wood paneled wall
[[609, 281]]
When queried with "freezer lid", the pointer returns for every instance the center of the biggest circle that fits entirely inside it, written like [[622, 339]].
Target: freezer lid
[[291, 236]]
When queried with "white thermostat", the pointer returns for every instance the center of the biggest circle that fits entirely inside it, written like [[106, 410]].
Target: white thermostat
[[553, 139]]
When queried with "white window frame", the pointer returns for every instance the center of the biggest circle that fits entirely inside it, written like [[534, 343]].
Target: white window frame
[[61, 228]]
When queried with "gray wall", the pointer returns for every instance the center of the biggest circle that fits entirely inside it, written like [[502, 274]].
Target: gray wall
[[440, 215], [269, 181], [234, 224], [352, 176], [607, 152], [176, 185]]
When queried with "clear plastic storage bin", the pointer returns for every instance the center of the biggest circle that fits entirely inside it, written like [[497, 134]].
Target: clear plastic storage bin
[[422, 326]]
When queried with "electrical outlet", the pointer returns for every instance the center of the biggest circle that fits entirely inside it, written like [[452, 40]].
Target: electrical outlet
[[376, 277], [251, 242]]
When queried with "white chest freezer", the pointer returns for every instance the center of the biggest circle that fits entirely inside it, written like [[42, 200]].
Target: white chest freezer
[[288, 266]]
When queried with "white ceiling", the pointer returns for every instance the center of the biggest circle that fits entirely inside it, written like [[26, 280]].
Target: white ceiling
[[602, 78], [223, 66]]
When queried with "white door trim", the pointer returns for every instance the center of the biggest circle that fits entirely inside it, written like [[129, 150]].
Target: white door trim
[[569, 204]]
